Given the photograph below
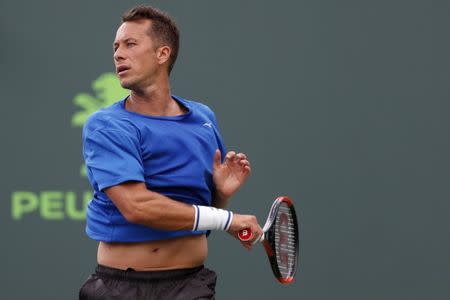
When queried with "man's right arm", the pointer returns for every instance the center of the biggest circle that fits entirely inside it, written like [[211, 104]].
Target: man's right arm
[[142, 206]]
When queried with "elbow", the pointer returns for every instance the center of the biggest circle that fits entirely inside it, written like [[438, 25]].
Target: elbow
[[132, 217], [129, 208], [139, 211], [133, 213]]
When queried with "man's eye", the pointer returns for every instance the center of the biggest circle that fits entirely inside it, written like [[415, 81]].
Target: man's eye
[[130, 44]]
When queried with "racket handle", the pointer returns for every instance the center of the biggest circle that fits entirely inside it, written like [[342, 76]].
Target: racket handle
[[245, 234]]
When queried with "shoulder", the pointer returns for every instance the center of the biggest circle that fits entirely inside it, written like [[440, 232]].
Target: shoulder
[[110, 118], [198, 107]]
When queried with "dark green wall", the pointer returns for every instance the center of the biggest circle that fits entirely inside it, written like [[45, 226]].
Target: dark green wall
[[343, 105]]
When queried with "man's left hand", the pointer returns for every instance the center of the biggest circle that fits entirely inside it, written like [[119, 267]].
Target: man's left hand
[[229, 176]]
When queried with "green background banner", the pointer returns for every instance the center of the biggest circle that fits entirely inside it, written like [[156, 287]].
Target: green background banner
[[342, 105]]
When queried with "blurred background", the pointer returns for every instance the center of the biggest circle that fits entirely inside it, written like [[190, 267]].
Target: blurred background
[[342, 105]]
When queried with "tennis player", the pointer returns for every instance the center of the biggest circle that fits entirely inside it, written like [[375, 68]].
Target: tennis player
[[160, 176]]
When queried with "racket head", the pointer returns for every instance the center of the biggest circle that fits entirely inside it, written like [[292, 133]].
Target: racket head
[[281, 240]]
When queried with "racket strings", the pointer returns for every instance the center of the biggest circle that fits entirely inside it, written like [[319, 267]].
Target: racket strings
[[285, 241]]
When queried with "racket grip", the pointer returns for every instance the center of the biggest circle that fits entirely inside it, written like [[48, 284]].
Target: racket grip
[[245, 234]]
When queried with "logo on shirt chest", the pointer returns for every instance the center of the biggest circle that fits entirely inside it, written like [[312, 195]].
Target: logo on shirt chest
[[208, 124]]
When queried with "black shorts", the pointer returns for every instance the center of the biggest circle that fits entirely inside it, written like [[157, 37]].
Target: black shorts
[[110, 284]]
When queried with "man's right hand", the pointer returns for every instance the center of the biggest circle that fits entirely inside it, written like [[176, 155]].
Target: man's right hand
[[242, 222]]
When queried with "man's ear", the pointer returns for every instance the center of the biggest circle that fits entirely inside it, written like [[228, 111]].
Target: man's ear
[[163, 54]]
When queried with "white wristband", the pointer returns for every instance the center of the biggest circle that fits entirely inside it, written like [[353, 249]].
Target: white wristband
[[211, 218]]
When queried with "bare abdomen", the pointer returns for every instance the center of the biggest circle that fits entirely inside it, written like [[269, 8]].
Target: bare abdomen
[[176, 253]]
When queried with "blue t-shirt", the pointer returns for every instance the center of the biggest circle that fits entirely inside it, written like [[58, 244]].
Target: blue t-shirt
[[172, 155]]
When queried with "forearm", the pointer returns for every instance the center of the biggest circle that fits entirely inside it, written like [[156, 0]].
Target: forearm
[[162, 212], [158, 211], [141, 206]]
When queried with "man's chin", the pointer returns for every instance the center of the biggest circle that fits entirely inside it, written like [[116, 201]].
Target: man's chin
[[126, 84]]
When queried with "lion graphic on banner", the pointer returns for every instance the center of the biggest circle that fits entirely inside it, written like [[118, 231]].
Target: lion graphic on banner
[[107, 91]]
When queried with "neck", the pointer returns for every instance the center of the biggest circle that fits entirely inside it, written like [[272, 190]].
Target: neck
[[154, 100]]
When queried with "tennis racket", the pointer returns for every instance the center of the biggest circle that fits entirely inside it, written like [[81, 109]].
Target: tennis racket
[[280, 239]]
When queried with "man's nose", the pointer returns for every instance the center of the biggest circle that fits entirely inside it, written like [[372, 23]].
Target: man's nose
[[118, 55]]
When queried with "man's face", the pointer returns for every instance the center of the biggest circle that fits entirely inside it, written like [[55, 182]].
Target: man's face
[[135, 55]]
